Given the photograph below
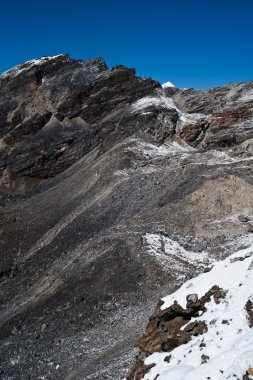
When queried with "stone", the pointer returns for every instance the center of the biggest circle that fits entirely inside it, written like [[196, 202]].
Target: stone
[[43, 327], [249, 309], [243, 218], [250, 371], [191, 298], [191, 326], [205, 358], [14, 331], [207, 269], [167, 358]]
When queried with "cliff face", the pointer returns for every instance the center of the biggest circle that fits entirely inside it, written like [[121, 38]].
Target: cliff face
[[55, 110], [101, 172]]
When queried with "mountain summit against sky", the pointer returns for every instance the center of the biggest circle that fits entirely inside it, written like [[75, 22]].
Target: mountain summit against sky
[[114, 192], [197, 43]]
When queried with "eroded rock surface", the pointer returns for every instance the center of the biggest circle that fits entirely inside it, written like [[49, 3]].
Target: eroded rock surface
[[55, 111]]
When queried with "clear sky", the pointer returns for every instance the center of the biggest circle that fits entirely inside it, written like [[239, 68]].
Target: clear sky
[[192, 43]]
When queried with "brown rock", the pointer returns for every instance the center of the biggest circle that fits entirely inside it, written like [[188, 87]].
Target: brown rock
[[250, 371], [164, 329], [208, 269], [249, 309]]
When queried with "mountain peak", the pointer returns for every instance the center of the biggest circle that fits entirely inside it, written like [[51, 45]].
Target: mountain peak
[[30, 64], [167, 84]]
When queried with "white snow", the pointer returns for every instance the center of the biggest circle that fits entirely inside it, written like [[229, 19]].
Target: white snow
[[167, 84], [216, 157], [27, 65], [159, 100], [247, 96], [163, 248], [169, 148], [190, 118], [229, 340]]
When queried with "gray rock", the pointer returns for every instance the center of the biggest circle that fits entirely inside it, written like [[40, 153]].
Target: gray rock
[[191, 298], [243, 218]]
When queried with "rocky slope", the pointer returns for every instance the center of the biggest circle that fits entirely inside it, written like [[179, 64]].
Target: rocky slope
[[203, 330], [102, 174]]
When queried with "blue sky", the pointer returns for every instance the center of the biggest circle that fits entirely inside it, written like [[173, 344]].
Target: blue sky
[[190, 43]]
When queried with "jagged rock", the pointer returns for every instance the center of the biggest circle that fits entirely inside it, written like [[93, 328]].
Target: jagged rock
[[191, 298], [204, 358], [167, 358], [250, 371], [233, 260], [249, 309], [164, 330], [62, 117], [225, 113], [248, 374], [140, 370], [243, 218], [68, 107], [207, 269]]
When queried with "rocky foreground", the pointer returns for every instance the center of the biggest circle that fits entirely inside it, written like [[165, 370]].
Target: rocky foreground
[[113, 193], [205, 334]]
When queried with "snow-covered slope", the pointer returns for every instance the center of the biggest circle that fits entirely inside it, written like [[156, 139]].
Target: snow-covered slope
[[167, 84], [225, 351], [27, 66]]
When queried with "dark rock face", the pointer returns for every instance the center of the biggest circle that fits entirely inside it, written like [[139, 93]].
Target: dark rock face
[[92, 161], [58, 110], [225, 115]]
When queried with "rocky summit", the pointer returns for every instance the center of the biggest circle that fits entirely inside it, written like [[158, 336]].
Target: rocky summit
[[114, 192]]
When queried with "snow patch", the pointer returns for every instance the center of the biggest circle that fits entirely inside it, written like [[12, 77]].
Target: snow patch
[[246, 97], [27, 66], [167, 84], [153, 151], [190, 118], [157, 101], [216, 157], [161, 247]]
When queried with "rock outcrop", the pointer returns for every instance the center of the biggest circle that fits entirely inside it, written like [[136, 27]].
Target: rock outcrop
[[211, 337], [165, 329], [55, 111]]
